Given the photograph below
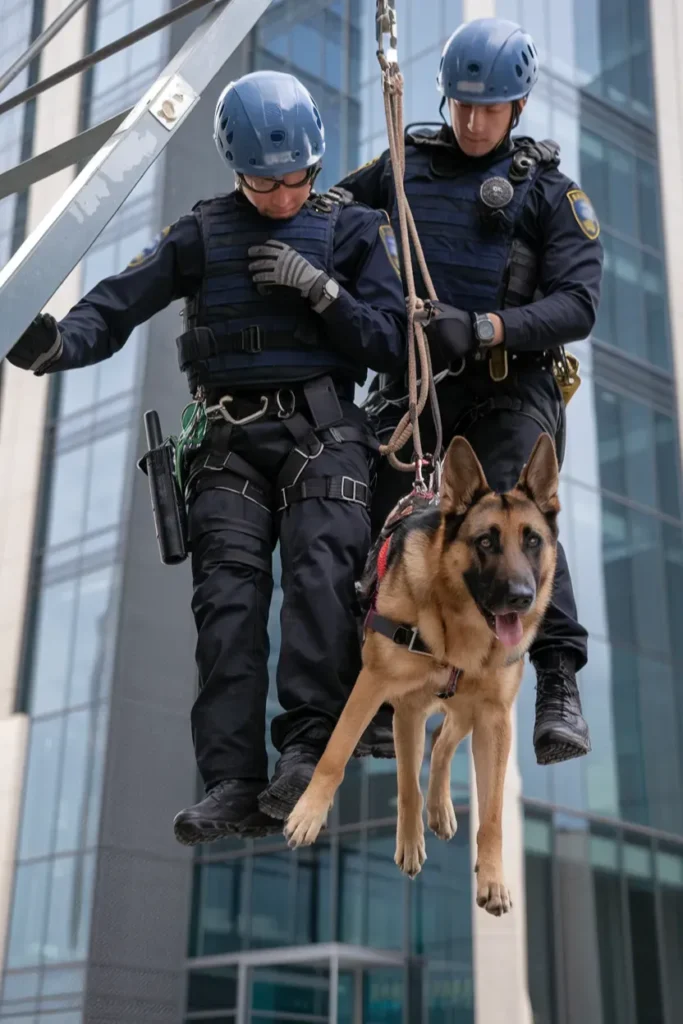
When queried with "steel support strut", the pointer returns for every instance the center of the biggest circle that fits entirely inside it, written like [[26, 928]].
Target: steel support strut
[[60, 241]]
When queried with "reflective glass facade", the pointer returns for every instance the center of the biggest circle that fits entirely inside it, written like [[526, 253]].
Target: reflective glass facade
[[601, 936], [18, 19], [604, 835], [76, 590]]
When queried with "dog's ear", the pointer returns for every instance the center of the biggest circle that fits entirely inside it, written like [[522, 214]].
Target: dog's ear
[[540, 477], [463, 481]]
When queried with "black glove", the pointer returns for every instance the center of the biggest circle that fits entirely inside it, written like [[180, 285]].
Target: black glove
[[449, 331], [39, 346]]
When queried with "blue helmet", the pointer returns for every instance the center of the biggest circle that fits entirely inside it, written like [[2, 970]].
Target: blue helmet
[[488, 61], [267, 124]]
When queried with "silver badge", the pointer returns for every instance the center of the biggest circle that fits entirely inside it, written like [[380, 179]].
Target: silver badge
[[496, 193]]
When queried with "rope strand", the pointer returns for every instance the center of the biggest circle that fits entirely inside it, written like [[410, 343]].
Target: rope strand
[[409, 424]]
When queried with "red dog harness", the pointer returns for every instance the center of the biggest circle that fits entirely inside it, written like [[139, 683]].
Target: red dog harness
[[399, 632]]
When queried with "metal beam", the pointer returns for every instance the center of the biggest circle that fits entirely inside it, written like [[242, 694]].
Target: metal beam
[[60, 241], [150, 28], [66, 154], [40, 42]]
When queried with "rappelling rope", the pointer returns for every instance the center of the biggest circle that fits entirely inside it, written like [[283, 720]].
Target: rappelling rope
[[409, 425]]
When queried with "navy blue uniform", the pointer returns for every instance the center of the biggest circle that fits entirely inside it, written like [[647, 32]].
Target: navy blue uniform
[[546, 297], [299, 473], [366, 323]]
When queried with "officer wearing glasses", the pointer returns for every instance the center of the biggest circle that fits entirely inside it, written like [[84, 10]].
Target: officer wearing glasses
[[291, 296]]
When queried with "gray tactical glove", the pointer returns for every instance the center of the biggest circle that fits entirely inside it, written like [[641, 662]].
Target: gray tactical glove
[[39, 346], [284, 266]]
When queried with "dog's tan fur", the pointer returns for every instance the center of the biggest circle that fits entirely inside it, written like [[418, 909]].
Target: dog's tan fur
[[426, 587]]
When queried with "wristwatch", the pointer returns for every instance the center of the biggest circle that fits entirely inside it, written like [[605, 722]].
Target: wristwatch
[[327, 295], [484, 330]]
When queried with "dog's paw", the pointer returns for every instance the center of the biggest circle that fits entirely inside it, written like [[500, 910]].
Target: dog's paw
[[304, 823], [493, 896], [410, 854], [441, 819]]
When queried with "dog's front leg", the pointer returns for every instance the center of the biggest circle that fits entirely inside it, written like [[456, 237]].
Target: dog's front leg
[[409, 740], [310, 813], [440, 810], [491, 741]]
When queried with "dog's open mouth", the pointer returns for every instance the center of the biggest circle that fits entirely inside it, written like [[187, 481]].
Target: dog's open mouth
[[508, 629]]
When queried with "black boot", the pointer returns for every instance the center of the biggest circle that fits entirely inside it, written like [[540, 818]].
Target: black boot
[[378, 738], [258, 825], [560, 732], [219, 814], [292, 774]]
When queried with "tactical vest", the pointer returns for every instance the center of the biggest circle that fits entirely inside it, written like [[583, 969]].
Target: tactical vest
[[236, 337], [474, 260]]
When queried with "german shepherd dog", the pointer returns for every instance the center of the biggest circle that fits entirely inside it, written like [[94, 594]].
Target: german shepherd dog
[[474, 575]]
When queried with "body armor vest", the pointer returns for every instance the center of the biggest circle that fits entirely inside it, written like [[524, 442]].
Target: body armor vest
[[474, 260], [234, 335]]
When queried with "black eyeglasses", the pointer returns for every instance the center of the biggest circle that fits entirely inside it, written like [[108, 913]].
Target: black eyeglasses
[[265, 185]]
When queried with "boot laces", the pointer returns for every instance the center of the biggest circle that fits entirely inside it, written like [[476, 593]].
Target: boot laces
[[556, 690]]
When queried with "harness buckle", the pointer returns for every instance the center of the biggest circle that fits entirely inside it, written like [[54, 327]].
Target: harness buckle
[[252, 341], [414, 637], [498, 364], [356, 487]]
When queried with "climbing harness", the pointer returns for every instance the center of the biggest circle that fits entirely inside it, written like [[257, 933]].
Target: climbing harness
[[409, 425]]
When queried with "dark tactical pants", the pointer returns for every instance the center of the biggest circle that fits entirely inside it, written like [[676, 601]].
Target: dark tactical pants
[[323, 545], [502, 421]]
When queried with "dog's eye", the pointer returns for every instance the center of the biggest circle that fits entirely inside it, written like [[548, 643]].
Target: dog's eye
[[485, 542], [533, 540]]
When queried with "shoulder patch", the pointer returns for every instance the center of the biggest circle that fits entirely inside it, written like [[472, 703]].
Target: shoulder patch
[[586, 217], [150, 249], [362, 167], [386, 233]]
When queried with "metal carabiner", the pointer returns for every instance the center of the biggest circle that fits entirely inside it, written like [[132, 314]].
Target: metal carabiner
[[387, 25], [285, 411], [220, 408]]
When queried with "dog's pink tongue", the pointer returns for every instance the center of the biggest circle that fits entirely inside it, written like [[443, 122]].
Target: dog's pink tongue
[[509, 629]]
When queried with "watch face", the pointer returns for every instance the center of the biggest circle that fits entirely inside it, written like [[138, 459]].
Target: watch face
[[332, 288], [485, 329]]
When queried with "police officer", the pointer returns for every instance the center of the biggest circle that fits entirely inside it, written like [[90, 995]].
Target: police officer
[[291, 296], [512, 247]]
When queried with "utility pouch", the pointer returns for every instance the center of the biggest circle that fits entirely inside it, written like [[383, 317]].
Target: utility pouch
[[168, 506], [323, 402]]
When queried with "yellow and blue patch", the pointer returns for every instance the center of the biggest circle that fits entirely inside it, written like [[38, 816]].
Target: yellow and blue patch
[[386, 233], [368, 163], [150, 249], [583, 210]]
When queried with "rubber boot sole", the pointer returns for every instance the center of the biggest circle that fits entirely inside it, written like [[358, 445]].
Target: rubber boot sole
[[259, 825], [555, 748], [279, 798], [193, 833]]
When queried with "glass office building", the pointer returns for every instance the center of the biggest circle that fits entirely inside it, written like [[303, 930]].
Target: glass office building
[[110, 920]]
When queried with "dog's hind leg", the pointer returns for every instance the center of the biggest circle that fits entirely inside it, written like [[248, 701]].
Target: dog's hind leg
[[440, 810], [310, 813], [409, 740], [491, 740]]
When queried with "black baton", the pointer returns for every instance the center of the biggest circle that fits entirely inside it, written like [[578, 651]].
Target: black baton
[[168, 506]]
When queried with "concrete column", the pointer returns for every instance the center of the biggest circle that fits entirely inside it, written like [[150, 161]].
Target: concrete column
[[13, 733], [666, 23], [499, 943], [472, 9], [22, 427]]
